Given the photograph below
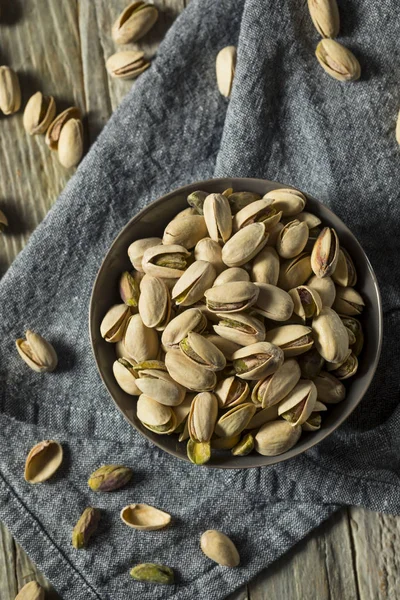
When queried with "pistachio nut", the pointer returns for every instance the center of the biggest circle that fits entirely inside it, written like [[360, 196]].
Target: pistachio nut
[[330, 336], [153, 573], [313, 422], [232, 274], [157, 417], [263, 416], [231, 297], [37, 352], [352, 337], [190, 288], [298, 405], [273, 303], [310, 219], [134, 22], [3, 221], [288, 200], [325, 253], [186, 231], [10, 91], [292, 339], [39, 113], [265, 267], [154, 303], [272, 389], [113, 325], [219, 547], [127, 64], [273, 234], [160, 386], [144, 517], [184, 435], [260, 211], [140, 341], [186, 212], [178, 328], [109, 478], [43, 461], [346, 369], [244, 245], [199, 453], [240, 328], [325, 288], [345, 273], [85, 527], [218, 217], [337, 60], [138, 248], [225, 66], [295, 271], [311, 364], [329, 389], [226, 346], [354, 325], [54, 130], [257, 360], [325, 16], [202, 417], [187, 373], [307, 302], [202, 352], [348, 301], [276, 437], [210, 251], [70, 143], [292, 239], [231, 391], [165, 261], [239, 200], [225, 443], [245, 446], [31, 591], [126, 376], [129, 289], [196, 200]]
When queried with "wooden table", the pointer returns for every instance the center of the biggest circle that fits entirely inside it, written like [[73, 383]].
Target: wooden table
[[59, 47]]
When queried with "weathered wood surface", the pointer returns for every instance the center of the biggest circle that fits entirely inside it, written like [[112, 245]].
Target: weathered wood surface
[[60, 48]]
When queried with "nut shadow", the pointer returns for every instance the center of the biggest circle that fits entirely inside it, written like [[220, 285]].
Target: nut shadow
[[11, 12], [65, 353], [16, 223]]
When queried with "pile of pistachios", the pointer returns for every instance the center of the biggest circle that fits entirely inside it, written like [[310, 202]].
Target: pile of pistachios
[[236, 329]]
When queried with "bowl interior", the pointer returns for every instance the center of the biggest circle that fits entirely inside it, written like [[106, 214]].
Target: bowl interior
[[150, 222]]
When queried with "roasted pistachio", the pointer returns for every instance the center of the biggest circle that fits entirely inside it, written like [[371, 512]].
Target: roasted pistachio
[[70, 143], [346, 369], [276, 437], [210, 251], [160, 386], [337, 60], [218, 217], [307, 302], [190, 288], [186, 231], [129, 289], [272, 389], [39, 113], [109, 478], [199, 453], [325, 16], [240, 328], [348, 301], [187, 373], [126, 376], [140, 341], [154, 303], [325, 288], [235, 420], [232, 274], [265, 267], [310, 219], [325, 254], [345, 273], [202, 417], [178, 328], [231, 297], [287, 200], [245, 446], [273, 303], [260, 211], [127, 64], [244, 245], [85, 527], [292, 339], [165, 261], [138, 248], [355, 326], [231, 391], [196, 200], [134, 22], [330, 336], [329, 389], [152, 573], [257, 360], [225, 68], [10, 91], [37, 352], [219, 547], [202, 352], [54, 130], [239, 200], [226, 346], [292, 239], [298, 405], [157, 417], [295, 272]]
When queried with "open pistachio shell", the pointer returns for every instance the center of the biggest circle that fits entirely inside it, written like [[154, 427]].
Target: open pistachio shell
[[325, 253], [43, 461], [325, 288], [113, 325], [140, 341], [330, 336], [307, 302], [329, 389], [272, 389], [156, 417], [160, 386], [218, 217], [292, 339], [126, 376], [227, 347], [134, 22], [154, 302], [295, 271], [187, 373], [313, 422], [276, 437], [138, 248], [202, 417], [345, 273], [129, 290], [348, 301], [231, 297], [265, 267], [165, 261], [219, 548], [260, 211], [202, 352], [263, 416], [231, 391], [354, 325], [199, 453], [178, 328], [298, 405], [31, 591], [235, 420], [346, 369], [273, 303], [257, 360], [37, 352], [240, 328], [292, 239], [185, 231], [288, 200], [210, 251], [232, 274], [244, 245], [190, 288], [145, 517]]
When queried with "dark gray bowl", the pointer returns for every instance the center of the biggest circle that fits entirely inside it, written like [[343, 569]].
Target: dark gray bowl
[[151, 221]]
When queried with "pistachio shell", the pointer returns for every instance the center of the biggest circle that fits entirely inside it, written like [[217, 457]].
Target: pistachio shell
[[292, 239], [160, 386], [198, 453], [260, 211], [240, 328], [39, 113], [54, 130], [43, 461], [345, 273], [337, 60], [225, 68], [348, 301], [113, 325], [10, 91], [298, 405], [70, 143], [295, 271], [231, 391], [355, 326], [154, 302], [239, 200], [186, 231], [140, 341], [310, 219], [138, 248], [194, 282], [218, 217], [330, 336], [346, 369], [31, 591], [265, 267], [202, 352], [145, 517], [272, 389], [313, 422], [151, 412], [276, 437], [329, 389], [325, 288], [219, 547], [152, 573], [126, 376], [210, 251], [263, 416], [230, 275], [231, 297], [127, 64], [37, 352], [129, 289], [273, 234], [307, 302], [244, 245], [202, 417], [311, 364], [178, 328], [288, 200], [257, 360], [196, 200], [292, 339], [273, 303], [134, 22], [187, 373], [325, 16], [235, 420], [325, 253], [165, 261], [226, 346]]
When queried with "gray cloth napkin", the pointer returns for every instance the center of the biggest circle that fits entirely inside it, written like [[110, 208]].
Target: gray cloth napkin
[[287, 121]]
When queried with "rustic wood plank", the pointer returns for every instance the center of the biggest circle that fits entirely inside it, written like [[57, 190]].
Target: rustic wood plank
[[240, 594], [8, 577]]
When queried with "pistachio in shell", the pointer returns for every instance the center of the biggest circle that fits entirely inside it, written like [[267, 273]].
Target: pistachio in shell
[[354, 326], [260, 211], [258, 360], [196, 200], [178, 328], [190, 288], [129, 289], [307, 302], [345, 273], [292, 239], [156, 417], [231, 391], [244, 245], [310, 219], [239, 200], [337, 60], [190, 375], [325, 16], [348, 301], [43, 461], [218, 217], [295, 271], [160, 386], [153, 573], [85, 527], [126, 376], [226, 443], [227, 347], [202, 352], [70, 143], [210, 251], [325, 287], [165, 261], [134, 22], [138, 248], [31, 591], [235, 420], [37, 352], [186, 231], [265, 266], [202, 417], [292, 339], [230, 275], [329, 389], [109, 478], [154, 303], [272, 389], [113, 325], [240, 328], [265, 415], [219, 547], [325, 253], [288, 200], [346, 369], [273, 303], [39, 112], [276, 437], [330, 336], [54, 130], [144, 517], [231, 297], [127, 64], [141, 342], [298, 405]]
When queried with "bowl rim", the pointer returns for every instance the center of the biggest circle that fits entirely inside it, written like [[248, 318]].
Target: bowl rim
[[230, 182]]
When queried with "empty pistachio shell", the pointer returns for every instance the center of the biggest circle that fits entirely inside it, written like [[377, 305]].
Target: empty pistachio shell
[[190, 288], [260, 211], [126, 376], [134, 22], [295, 271], [127, 64], [70, 143], [325, 288], [337, 60], [272, 389], [235, 420], [265, 267], [232, 274], [129, 289], [178, 328], [231, 391], [202, 352], [210, 251], [39, 113], [10, 91], [257, 360], [37, 352], [276, 437], [348, 301], [239, 200], [109, 478], [145, 517], [218, 217], [240, 328], [231, 297], [160, 386], [245, 446], [227, 347], [138, 248], [196, 200], [225, 68], [292, 239], [244, 245], [273, 303], [154, 302], [298, 405], [85, 527], [287, 200], [165, 261], [43, 461], [186, 231], [202, 417], [329, 389], [346, 369], [263, 416], [325, 253], [219, 548], [140, 341], [307, 302], [345, 273], [54, 130], [330, 336], [292, 339], [199, 453], [325, 16], [31, 591], [187, 373], [311, 364]]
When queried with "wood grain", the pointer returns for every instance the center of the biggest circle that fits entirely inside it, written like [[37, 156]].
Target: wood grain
[[60, 48]]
